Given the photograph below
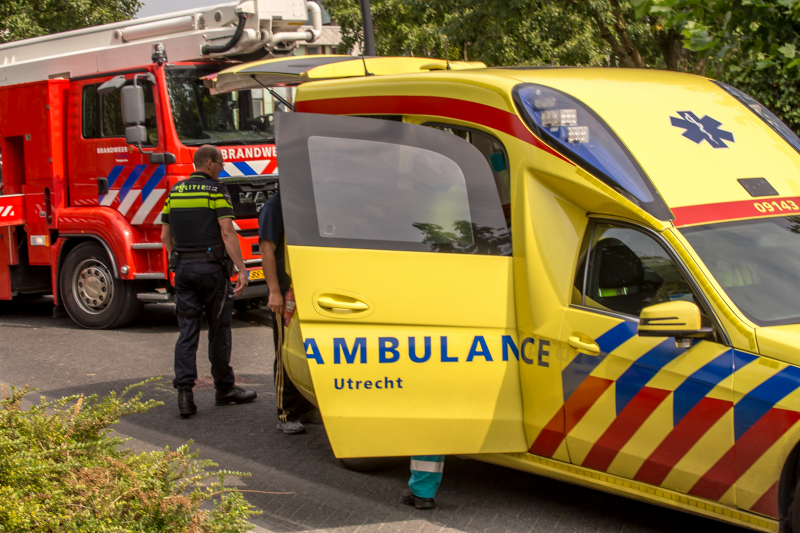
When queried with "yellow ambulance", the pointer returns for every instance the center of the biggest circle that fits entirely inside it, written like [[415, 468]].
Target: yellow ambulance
[[587, 274]]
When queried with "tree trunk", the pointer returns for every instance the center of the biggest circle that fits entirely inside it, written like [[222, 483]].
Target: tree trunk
[[607, 36], [622, 30]]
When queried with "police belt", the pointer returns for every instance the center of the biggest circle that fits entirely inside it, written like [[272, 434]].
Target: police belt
[[193, 255]]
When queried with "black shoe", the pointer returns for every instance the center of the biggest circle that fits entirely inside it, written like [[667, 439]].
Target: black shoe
[[409, 498], [235, 395], [186, 404]]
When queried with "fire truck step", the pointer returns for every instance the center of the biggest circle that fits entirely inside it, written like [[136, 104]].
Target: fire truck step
[[150, 275], [147, 246], [159, 297]]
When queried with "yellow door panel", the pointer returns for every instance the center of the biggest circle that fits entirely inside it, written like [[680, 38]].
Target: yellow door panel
[[420, 374], [295, 361], [400, 259], [645, 408]]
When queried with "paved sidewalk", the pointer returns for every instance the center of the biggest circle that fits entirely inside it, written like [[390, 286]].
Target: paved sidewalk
[[61, 358]]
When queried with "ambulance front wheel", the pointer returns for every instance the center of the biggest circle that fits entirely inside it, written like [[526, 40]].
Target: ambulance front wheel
[[93, 297]]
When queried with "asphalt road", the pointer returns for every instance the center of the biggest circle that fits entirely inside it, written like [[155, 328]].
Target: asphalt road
[[60, 358]]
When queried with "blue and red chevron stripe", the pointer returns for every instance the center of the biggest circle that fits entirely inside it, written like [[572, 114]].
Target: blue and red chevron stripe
[[756, 423], [136, 192]]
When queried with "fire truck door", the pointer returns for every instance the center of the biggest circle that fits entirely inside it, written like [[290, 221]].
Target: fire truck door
[[106, 170], [401, 264]]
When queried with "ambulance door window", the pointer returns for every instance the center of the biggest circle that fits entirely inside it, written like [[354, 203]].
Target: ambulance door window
[[627, 271], [399, 196], [496, 155]]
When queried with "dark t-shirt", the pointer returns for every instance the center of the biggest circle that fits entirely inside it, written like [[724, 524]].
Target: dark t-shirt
[[193, 209], [270, 228]]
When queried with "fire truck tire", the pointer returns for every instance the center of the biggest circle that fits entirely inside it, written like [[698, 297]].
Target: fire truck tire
[[92, 296]]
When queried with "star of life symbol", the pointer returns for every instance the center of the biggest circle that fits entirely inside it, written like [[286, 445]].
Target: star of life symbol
[[702, 129]]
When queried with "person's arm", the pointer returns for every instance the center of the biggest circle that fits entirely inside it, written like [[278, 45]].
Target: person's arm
[[270, 267], [166, 238], [232, 246]]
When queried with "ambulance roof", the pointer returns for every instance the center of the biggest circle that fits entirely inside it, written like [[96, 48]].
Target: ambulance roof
[[692, 139]]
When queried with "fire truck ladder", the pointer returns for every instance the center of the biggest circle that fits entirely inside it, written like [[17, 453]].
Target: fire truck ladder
[[224, 30]]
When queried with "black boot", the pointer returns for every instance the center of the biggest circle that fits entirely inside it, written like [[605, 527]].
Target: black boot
[[409, 498], [186, 404], [235, 395]]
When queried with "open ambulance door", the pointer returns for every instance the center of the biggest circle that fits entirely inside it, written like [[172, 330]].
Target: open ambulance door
[[401, 265]]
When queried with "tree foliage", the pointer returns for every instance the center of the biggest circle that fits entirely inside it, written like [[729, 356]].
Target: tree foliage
[[495, 32], [751, 44], [23, 19], [61, 473], [519, 32]]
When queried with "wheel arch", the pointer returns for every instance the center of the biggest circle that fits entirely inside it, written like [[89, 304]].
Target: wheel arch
[[109, 227]]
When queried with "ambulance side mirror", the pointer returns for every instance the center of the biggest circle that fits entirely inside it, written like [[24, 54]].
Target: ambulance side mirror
[[679, 319]]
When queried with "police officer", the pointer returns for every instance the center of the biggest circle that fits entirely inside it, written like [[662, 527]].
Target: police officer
[[198, 226]]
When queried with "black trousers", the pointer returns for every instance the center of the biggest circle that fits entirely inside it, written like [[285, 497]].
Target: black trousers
[[291, 404], [203, 286]]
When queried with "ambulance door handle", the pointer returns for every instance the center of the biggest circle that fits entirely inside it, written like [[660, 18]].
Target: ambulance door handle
[[589, 348], [331, 303]]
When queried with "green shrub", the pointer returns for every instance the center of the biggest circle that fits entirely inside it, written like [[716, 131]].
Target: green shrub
[[61, 472]]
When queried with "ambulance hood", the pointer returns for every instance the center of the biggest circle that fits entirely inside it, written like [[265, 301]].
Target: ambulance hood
[[693, 140]]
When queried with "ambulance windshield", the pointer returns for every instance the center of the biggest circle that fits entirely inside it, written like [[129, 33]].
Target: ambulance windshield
[[574, 130], [237, 117], [757, 264]]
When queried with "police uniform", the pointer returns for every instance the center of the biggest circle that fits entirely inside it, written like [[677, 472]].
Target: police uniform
[[202, 282], [291, 404]]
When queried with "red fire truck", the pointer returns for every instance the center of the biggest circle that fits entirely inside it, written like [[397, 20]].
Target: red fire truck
[[93, 136]]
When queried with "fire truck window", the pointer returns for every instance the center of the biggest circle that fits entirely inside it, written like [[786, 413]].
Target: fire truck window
[[102, 114], [495, 154], [89, 111], [237, 117], [112, 114]]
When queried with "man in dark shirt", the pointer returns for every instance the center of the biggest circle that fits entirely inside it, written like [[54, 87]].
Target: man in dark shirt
[[198, 224], [291, 404]]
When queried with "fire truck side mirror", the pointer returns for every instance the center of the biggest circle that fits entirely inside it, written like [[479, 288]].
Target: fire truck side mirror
[[136, 135], [112, 85], [133, 105]]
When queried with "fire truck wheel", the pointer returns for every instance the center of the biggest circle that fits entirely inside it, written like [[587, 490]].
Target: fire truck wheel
[[93, 297]]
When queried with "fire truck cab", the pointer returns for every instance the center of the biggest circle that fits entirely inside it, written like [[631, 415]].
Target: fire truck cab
[[93, 136]]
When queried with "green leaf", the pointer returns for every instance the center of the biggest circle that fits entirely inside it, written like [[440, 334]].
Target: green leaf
[[793, 63], [642, 7], [788, 3], [788, 50]]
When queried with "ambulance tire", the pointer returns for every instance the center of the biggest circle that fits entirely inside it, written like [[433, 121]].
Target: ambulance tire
[[105, 302], [794, 518], [368, 464]]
